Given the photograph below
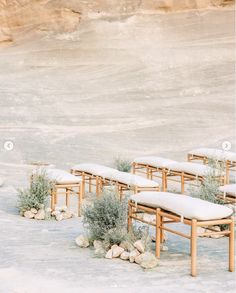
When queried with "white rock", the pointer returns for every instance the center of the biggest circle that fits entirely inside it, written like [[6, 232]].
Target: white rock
[[127, 246], [40, 215], [64, 209], [140, 246], [55, 213], [33, 210], [149, 260], [29, 215], [200, 230], [82, 241], [164, 248], [133, 254], [216, 236], [139, 258], [124, 255], [59, 217], [41, 206], [97, 244], [116, 250], [48, 210], [66, 215], [109, 254]]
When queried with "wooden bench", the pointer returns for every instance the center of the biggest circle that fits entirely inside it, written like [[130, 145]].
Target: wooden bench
[[176, 208]]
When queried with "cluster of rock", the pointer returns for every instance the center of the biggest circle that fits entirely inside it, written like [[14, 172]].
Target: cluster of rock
[[201, 230], [134, 253], [60, 213]]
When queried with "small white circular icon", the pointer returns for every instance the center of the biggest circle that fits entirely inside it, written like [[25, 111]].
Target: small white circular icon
[[226, 145], [8, 145]]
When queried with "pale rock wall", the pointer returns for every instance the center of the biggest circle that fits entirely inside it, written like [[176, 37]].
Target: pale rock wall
[[64, 15]]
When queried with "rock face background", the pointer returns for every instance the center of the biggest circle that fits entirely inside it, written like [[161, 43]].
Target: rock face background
[[27, 16]]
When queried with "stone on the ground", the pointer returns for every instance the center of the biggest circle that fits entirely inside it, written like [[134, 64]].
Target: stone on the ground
[[200, 230], [55, 213], [100, 252], [82, 241], [97, 244], [33, 210], [63, 209], [138, 259], [109, 254], [124, 255], [48, 210], [29, 215], [116, 250], [164, 248], [66, 215], [149, 260], [59, 217], [40, 215], [139, 245], [41, 206], [127, 246], [133, 254]]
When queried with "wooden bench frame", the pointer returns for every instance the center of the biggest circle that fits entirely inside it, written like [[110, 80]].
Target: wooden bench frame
[[99, 182], [163, 217], [67, 190], [167, 174], [229, 165]]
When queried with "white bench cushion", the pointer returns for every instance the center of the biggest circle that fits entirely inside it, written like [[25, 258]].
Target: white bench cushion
[[153, 161], [94, 169], [132, 179], [229, 189], [192, 168], [62, 177], [212, 153], [183, 205]]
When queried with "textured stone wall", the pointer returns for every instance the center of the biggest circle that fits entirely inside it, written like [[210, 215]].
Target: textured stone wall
[[64, 15]]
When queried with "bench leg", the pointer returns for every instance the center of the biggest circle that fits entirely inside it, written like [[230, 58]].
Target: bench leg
[[90, 184], [231, 246], [158, 233], [52, 200], [129, 217], [193, 247], [182, 183], [67, 197]]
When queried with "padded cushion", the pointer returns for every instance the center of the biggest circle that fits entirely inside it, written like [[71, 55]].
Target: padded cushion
[[157, 162], [192, 168], [62, 177], [95, 169], [212, 153], [229, 189], [183, 205], [132, 179]]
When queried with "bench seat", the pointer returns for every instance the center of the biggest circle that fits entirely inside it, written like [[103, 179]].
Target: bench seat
[[132, 179], [183, 205], [94, 169], [193, 168], [61, 177], [153, 161], [212, 153], [229, 189]]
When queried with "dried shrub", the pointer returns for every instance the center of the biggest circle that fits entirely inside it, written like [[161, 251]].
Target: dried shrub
[[123, 165], [37, 195]]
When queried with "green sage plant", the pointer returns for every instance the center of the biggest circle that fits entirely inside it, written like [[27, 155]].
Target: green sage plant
[[37, 195], [123, 165]]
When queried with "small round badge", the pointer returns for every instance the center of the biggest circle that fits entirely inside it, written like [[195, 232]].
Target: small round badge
[[226, 145], [8, 145]]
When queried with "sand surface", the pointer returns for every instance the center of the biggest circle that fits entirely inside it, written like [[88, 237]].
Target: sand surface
[[145, 85]]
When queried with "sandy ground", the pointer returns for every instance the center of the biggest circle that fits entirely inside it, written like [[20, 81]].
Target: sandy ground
[[160, 84]]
